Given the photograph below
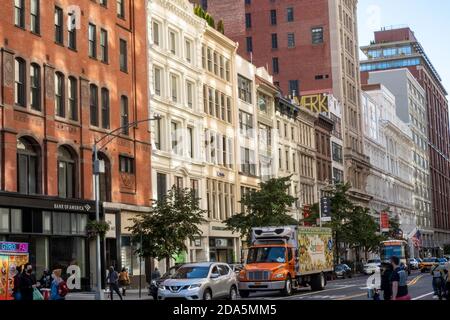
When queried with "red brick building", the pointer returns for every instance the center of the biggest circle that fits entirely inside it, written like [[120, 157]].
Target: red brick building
[[310, 46], [62, 88], [399, 48]]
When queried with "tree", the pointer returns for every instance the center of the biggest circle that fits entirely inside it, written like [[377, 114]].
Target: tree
[[267, 207], [174, 219]]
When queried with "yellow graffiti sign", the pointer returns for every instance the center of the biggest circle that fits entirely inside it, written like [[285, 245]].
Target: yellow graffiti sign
[[316, 103]]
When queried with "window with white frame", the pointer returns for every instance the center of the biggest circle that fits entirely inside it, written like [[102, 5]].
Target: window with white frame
[[189, 94], [157, 77], [188, 49], [173, 41], [155, 33], [174, 87], [176, 137]]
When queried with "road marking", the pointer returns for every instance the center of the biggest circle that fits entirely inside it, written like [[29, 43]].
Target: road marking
[[423, 296], [314, 293], [354, 296]]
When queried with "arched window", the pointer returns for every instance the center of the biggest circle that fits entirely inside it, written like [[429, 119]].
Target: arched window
[[35, 87], [73, 98], [66, 173], [60, 107], [28, 181], [20, 82], [94, 104], [105, 108], [124, 119]]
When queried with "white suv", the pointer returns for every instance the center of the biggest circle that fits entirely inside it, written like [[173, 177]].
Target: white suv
[[200, 281]]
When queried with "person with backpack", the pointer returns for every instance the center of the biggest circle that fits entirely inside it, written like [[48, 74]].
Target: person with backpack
[[399, 281], [59, 288], [113, 280], [124, 280]]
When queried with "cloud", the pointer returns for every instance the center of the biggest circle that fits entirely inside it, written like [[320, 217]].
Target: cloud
[[373, 17]]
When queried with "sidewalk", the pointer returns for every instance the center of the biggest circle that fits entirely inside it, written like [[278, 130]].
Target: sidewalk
[[132, 294]]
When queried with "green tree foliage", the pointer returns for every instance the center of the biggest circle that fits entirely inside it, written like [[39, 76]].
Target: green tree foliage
[[267, 207], [174, 219]]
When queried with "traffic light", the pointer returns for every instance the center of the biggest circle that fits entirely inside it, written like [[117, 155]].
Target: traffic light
[[325, 209]]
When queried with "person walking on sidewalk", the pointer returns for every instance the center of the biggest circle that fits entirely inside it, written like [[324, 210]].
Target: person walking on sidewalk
[[113, 281], [27, 283], [124, 280], [399, 281], [58, 289]]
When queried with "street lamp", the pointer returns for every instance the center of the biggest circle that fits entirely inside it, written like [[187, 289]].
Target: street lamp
[[99, 168]]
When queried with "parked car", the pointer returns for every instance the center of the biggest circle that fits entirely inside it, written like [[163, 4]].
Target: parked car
[[155, 283], [372, 266], [427, 264], [342, 271], [414, 263], [200, 281]]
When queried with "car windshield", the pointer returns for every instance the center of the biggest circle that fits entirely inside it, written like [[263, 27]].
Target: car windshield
[[374, 261], [267, 255], [339, 267], [191, 273], [429, 260]]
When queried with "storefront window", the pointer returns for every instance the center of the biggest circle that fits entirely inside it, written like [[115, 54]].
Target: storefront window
[[47, 222], [16, 220], [69, 223], [129, 258], [4, 220], [67, 251]]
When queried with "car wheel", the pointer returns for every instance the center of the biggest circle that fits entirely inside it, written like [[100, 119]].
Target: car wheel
[[233, 293], [244, 293], [207, 295], [287, 291]]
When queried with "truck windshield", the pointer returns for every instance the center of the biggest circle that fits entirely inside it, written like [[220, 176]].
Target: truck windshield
[[267, 254]]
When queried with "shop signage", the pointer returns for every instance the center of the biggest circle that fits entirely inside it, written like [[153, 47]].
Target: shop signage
[[13, 247], [72, 207], [384, 221]]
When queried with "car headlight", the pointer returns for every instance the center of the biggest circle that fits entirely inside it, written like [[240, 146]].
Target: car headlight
[[161, 287], [278, 276], [194, 286]]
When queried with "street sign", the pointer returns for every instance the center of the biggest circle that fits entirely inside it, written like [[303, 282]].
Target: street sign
[[325, 209]]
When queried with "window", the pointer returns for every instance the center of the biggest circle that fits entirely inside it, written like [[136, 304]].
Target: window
[[59, 26], [94, 105], [338, 175], [104, 45], [105, 108], [157, 81], [263, 102], [27, 167], [121, 8], [179, 182], [73, 98], [290, 14], [35, 17], [124, 117], [20, 82], [123, 56], [273, 17], [248, 161], [157, 134], [249, 44], [248, 20], [72, 33], [60, 107], [174, 87], [275, 66], [190, 94], [104, 3], [126, 164], [19, 13], [209, 53], [246, 124], [161, 185], [190, 142], [317, 35], [175, 137], [337, 152], [274, 41], [229, 116], [188, 48], [92, 41], [155, 31], [291, 40], [35, 87], [293, 88], [66, 173], [245, 89], [173, 42]]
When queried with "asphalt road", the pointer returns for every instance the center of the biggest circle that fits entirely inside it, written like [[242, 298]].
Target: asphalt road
[[355, 288]]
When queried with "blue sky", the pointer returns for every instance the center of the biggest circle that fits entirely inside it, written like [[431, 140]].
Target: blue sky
[[429, 19]]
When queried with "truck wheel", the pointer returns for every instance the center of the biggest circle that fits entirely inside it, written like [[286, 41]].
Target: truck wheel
[[287, 291], [244, 293], [318, 282]]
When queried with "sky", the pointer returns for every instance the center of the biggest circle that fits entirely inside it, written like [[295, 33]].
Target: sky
[[429, 19]]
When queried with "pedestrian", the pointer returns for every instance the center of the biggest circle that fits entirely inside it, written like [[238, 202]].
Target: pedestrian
[[27, 283], [386, 285], [399, 281], [113, 281], [124, 280], [16, 283], [437, 281], [46, 280], [57, 287], [155, 274]]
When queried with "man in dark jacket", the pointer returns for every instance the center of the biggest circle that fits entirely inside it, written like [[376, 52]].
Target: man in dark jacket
[[386, 274], [27, 283]]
